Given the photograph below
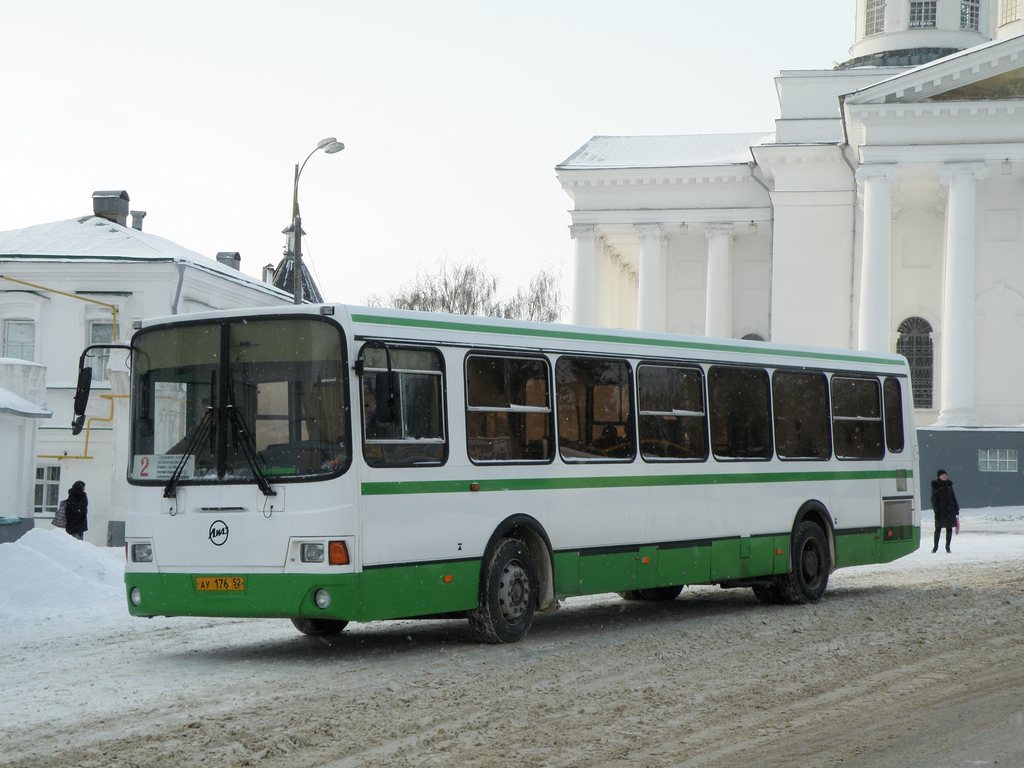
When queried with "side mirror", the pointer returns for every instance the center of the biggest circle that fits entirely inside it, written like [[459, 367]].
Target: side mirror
[[81, 400]]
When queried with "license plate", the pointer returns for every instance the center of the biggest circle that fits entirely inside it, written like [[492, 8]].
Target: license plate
[[220, 583]]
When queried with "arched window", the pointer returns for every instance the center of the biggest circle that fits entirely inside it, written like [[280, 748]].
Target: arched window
[[915, 344]]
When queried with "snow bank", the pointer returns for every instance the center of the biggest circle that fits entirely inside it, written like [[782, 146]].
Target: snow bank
[[49, 576]]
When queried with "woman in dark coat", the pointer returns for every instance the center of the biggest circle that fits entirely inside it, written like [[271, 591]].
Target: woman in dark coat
[[945, 506], [77, 510]]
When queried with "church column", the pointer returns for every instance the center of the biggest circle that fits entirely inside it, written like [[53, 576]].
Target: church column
[[609, 288], [585, 279], [956, 383], [718, 312], [873, 321], [650, 311]]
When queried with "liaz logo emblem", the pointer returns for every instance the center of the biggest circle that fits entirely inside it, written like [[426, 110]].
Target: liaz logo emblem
[[218, 533]]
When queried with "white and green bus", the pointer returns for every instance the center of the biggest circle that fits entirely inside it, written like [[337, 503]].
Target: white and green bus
[[329, 464]]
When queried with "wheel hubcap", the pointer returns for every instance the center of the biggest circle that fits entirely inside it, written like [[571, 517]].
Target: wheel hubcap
[[513, 592], [811, 561]]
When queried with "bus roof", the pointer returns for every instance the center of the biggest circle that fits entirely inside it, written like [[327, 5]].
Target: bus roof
[[469, 330]]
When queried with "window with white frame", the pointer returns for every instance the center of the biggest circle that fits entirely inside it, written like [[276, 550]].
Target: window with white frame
[[922, 14], [997, 459], [970, 14], [1009, 10], [874, 17], [100, 332], [20, 339], [47, 490]]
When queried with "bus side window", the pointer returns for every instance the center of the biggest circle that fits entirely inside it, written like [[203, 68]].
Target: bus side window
[[800, 406], [673, 423], [892, 397], [857, 418], [508, 409], [740, 412], [595, 409], [403, 414]]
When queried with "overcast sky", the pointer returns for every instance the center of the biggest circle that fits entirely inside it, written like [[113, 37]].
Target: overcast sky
[[454, 114]]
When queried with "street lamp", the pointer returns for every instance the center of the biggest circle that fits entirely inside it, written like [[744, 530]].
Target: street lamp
[[330, 145]]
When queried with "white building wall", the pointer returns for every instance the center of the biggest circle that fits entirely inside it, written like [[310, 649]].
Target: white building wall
[[139, 289], [18, 436]]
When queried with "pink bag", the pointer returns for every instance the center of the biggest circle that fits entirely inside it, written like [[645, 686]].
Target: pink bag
[[957, 526]]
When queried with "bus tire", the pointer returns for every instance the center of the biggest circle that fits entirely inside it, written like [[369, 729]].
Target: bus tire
[[319, 627], [810, 566], [508, 594], [660, 594]]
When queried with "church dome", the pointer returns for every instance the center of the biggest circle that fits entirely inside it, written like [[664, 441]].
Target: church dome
[[907, 33]]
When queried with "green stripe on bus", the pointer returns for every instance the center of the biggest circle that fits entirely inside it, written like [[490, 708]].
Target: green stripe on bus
[[453, 325], [399, 487]]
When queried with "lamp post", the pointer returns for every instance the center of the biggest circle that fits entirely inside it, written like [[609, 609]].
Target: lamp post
[[330, 145]]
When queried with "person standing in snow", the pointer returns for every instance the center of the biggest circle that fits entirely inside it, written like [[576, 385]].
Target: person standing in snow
[[945, 506], [77, 510]]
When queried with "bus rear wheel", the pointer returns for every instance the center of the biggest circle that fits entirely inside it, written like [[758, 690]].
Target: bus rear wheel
[[320, 627], [507, 594], [810, 566]]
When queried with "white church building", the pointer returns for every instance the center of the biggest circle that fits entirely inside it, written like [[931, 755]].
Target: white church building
[[884, 213]]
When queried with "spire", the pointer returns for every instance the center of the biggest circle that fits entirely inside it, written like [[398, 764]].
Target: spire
[[284, 274]]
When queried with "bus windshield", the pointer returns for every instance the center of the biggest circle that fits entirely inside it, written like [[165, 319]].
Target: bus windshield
[[239, 400]]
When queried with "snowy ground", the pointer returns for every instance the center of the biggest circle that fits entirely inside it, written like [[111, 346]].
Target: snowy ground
[[914, 663]]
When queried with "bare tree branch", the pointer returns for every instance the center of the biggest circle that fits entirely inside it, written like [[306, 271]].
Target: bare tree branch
[[467, 288]]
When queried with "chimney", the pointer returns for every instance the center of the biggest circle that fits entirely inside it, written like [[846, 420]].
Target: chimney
[[112, 205], [137, 217], [268, 274], [230, 259]]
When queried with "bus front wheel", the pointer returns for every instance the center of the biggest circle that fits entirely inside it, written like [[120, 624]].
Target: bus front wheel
[[319, 627], [507, 594], [811, 563]]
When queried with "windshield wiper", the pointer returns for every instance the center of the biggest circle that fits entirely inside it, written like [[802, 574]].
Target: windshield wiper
[[243, 436], [202, 429]]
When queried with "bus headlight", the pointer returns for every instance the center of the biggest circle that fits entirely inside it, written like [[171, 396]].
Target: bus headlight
[[142, 553], [313, 552], [322, 598], [136, 597]]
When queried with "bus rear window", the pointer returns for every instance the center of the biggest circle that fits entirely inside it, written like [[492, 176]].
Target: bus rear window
[[892, 394]]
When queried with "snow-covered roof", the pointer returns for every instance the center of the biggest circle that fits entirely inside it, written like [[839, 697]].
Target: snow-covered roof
[[93, 238], [19, 406], [665, 151]]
